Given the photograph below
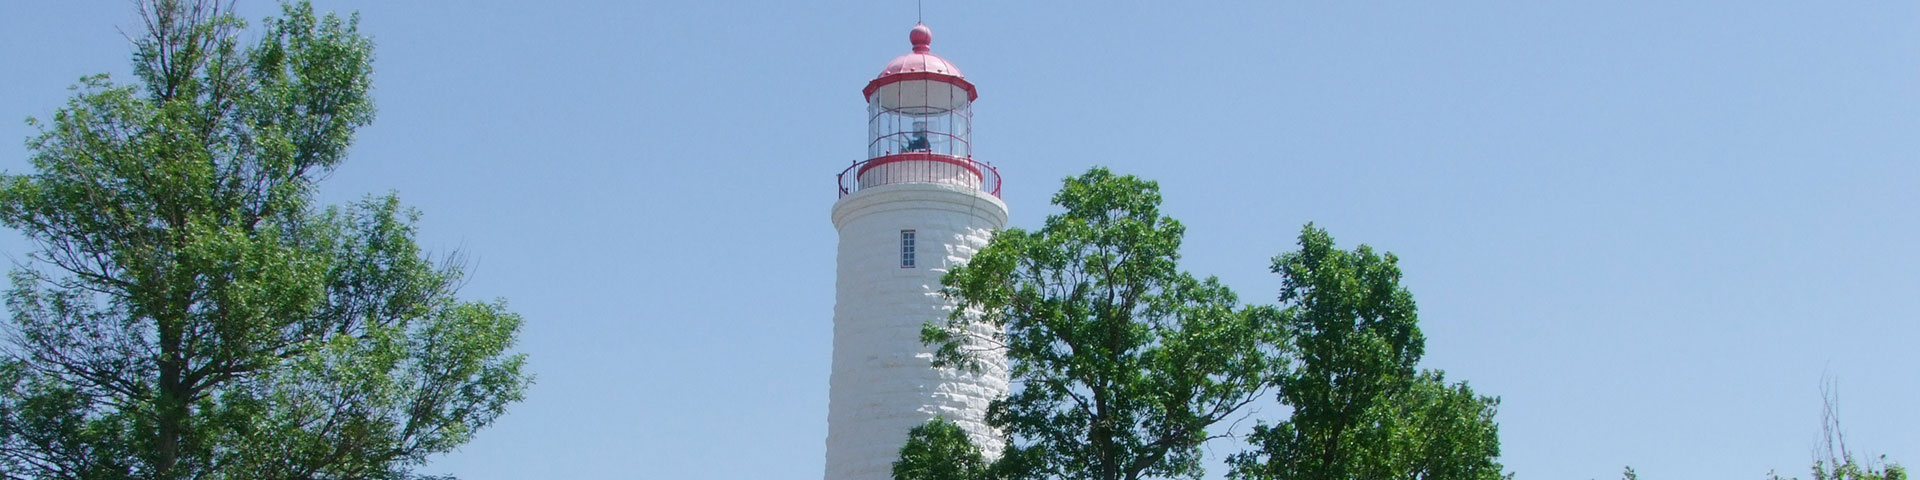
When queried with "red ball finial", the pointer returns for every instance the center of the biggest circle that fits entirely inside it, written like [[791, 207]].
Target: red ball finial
[[921, 36]]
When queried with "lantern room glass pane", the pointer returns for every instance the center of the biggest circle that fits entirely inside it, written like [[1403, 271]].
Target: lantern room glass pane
[[919, 116]]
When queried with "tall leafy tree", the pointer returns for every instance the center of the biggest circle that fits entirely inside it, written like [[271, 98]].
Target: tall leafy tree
[[190, 314], [1360, 410], [1120, 361]]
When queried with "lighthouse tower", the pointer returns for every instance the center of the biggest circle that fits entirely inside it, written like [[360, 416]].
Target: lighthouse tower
[[916, 207]]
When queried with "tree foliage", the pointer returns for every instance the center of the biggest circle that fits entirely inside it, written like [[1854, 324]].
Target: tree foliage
[[940, 450], [188, 312], [1360, 410], [1852, 469], [1121, 361], [1832, 459]]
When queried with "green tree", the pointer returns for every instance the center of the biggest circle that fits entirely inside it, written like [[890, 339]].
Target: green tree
[[1360, 410], [1120, 361], [940, 450], [189, 314], [1851, 469], [1832, 460]]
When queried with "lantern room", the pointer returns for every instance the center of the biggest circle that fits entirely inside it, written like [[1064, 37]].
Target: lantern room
[[920, 103], [920, 125]]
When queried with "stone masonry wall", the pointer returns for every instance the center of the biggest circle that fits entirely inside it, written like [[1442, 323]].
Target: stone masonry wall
[[883, 382]]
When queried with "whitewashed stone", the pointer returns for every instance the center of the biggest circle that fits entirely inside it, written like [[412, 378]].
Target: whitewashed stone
[[883, 382]]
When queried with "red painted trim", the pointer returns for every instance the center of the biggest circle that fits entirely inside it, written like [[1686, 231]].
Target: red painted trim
[[989, 177], [901, 77], [920, 156]]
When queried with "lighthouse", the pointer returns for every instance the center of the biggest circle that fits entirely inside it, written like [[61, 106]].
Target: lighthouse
[[917, 206]]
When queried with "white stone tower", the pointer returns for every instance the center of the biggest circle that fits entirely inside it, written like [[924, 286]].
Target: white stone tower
[[918, 205]]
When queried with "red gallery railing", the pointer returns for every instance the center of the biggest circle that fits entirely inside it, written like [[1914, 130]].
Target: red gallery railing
[[920, 167]]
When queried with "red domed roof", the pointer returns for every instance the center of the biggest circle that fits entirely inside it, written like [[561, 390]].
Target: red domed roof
[[922, 64]]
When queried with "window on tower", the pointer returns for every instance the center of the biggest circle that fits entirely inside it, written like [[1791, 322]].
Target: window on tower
[[906, 249]]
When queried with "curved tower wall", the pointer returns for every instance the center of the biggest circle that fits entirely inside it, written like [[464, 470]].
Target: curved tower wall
[[883, 382]]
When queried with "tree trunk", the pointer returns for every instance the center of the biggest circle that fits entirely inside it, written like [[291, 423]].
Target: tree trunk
[[171, 407]]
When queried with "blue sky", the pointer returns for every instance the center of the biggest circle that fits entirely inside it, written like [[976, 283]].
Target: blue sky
[[1650, 227]]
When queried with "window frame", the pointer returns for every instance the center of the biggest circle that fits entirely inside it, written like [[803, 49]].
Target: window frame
[[908, 242]]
